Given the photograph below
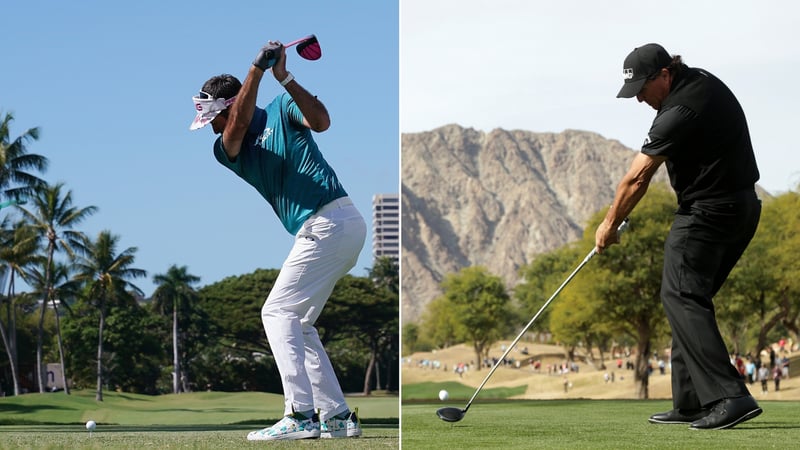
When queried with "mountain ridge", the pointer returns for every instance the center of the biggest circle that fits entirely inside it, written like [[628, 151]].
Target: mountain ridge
[[497, 199]]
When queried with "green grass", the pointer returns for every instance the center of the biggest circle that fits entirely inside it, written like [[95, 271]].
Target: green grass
[[597, 424], [184, 437], [430, 391], [196, 420]]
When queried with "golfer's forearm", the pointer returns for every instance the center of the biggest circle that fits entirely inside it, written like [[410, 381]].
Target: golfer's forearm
[[629, 192], [632, 188], [314, 112], [241, 112], [245, 105]]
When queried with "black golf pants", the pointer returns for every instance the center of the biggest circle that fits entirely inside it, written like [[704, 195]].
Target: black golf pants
[[703, 245]]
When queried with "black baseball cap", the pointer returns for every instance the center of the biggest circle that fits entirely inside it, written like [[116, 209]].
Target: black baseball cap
[[641, 63]]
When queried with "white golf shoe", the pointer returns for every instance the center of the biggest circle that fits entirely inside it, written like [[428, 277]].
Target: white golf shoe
[[341, 428], [288, 428]]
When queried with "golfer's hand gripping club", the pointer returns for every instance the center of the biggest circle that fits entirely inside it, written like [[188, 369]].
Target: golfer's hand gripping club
[[268, 55], [597, 249], [622, 227]]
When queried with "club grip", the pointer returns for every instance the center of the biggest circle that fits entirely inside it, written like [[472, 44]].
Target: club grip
[[623, 226]]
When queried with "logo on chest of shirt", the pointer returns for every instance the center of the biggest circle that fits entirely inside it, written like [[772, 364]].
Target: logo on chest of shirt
[[264, 136]]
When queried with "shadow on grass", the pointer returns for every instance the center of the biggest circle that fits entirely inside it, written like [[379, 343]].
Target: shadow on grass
[[26, 409], [383, 422], [138, 398], [11, 407], [106, 428], [761, 425]]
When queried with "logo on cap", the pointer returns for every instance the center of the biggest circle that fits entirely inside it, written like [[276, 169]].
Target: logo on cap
[[627, 74]]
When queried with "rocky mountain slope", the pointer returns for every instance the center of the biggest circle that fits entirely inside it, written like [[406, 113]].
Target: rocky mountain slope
[[497, 199]]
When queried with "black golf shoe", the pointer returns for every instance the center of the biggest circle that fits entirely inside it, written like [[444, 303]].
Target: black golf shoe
[[679, 416], [727, 413]]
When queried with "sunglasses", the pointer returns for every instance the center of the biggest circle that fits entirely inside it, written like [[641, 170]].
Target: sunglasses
[[208, 108], [203, 96]]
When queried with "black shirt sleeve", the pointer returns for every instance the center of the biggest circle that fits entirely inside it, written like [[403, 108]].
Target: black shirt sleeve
[[668, 134]]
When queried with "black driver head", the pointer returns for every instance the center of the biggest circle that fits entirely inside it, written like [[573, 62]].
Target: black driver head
[[310, 49], [450, 414]]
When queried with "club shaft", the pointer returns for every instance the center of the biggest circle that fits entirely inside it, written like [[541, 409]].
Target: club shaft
[[622, 227], [296, 41], [524, 330]]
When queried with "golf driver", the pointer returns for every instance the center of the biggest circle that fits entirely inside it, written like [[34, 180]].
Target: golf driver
[[307, 47], [452, 414]]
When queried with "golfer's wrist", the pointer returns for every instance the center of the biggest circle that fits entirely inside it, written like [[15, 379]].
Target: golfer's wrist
[[285, 80], [279, 73]]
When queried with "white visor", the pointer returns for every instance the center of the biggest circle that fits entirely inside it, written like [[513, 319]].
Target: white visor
[[207, 109]]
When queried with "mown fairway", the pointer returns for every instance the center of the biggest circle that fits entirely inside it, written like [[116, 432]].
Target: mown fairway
[[197, 420], [576, 424]]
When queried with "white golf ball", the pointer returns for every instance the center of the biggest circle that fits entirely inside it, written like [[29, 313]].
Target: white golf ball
[[443, 395], [90, 425]]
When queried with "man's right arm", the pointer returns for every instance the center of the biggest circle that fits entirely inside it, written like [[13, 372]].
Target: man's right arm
[[241, 113], [631, 189]]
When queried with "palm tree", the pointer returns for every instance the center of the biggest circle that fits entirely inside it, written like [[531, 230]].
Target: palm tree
[[15, 161], [16, 181], [107, 276], [18, 251], [54, 282], [174, 293], [53, 217]]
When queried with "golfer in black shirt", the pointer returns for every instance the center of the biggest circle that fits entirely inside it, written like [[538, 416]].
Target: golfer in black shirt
[[700, 132]]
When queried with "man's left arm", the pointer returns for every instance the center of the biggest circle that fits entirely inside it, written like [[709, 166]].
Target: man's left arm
[[315, 115]]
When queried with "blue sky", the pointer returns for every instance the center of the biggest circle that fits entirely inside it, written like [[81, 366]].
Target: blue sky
[[110, 86], [547, 66]]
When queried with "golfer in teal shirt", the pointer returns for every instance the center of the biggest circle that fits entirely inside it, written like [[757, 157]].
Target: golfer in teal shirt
[[273, 150], [297, 182]]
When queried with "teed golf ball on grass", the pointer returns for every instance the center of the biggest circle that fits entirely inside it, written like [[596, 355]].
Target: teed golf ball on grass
[[91, 425], [443, 395]]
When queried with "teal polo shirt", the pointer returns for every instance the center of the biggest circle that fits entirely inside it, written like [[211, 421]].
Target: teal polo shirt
[[280, 159]]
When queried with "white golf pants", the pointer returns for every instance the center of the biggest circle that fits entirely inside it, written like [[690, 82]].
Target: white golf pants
[[325, 249]]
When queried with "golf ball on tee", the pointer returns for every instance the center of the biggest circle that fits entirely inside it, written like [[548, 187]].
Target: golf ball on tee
[[443, 395], [90, 425]]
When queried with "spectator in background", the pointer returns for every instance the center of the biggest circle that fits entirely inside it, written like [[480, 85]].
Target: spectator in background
[[750, 370], [785, 366], [777, 373], [742, 367], [763, 376]]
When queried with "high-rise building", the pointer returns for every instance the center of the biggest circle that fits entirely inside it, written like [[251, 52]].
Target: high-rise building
[[386, 226]]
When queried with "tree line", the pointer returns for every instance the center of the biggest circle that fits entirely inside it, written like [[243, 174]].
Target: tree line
[[614, 302], [85, 311]]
